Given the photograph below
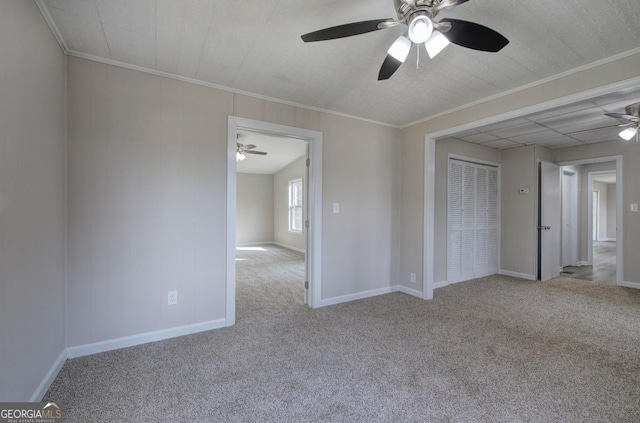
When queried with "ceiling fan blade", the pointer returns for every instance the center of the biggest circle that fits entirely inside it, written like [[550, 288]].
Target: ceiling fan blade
[[474, 36], [622, 116], [261, 153], [346, 30], [396, 55], [249, 146]]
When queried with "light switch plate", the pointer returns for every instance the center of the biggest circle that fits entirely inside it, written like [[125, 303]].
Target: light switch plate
[[633, 208], [336, 208]]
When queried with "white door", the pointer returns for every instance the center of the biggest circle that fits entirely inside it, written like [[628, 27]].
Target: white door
[[549, 229], [472, 221]]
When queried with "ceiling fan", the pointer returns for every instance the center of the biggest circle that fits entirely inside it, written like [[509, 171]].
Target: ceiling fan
[[242, 150], [418, 16], [632, 119]]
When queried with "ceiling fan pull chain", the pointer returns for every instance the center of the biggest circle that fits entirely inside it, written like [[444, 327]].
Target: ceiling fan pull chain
[[418, 56]]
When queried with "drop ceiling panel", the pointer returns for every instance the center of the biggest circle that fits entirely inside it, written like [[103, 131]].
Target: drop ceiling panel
[[502, 125], [565, 143], [560, 111], [588, 125], [570, 119], [537, 137], [600, 135], [523, 129], [479, 138], [501, 144]]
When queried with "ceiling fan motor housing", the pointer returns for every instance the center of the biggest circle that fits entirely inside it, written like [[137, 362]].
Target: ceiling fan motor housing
[[633, 109], [407, 10]]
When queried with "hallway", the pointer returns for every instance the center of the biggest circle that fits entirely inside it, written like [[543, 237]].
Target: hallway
[[604, 265]]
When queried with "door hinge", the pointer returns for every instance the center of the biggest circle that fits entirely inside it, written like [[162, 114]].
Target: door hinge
[[306, 224], [306, 284], [308, 162]]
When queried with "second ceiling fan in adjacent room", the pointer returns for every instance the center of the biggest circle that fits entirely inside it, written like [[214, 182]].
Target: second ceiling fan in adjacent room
[[242, 150]]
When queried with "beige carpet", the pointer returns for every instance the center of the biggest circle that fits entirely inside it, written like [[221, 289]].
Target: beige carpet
[[496, 349]]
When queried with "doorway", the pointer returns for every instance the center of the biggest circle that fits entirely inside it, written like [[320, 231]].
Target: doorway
[[313, 219], [597, 236], [271, 208]]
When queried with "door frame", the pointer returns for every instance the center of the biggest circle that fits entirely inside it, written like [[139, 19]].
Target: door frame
[[619, 212], [313, 254], [595, 217]]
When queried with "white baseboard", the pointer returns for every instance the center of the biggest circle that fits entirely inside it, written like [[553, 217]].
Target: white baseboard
[[254, 244], [607, 239], [442, 284], [582, 263], [143, 338], [407, 290], [279, 244], [626, 284], [517, 275], [356, 296], [49, 378]]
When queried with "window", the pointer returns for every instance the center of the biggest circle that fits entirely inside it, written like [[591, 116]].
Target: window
[[295, 205]]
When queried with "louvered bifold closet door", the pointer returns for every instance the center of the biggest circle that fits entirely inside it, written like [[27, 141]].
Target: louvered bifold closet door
[[472, 221], [468, 220], [492, 222], [481, 221], [454, 253]]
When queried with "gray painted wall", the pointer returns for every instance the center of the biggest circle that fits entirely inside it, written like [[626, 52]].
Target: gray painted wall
[[147, 189], [254, 208], [32, 200], [297, 169], [519, 212]]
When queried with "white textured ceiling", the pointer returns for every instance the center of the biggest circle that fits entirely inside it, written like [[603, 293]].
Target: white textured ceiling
[[255, 46], [281, 152]]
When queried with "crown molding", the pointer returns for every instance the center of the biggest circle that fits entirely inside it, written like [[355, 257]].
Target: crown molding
[[52, 25]]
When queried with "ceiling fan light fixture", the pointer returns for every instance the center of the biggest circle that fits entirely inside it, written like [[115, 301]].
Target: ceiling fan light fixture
[[400, 49], [436, 43], [240, 156], [628, 133], [420, 29]]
